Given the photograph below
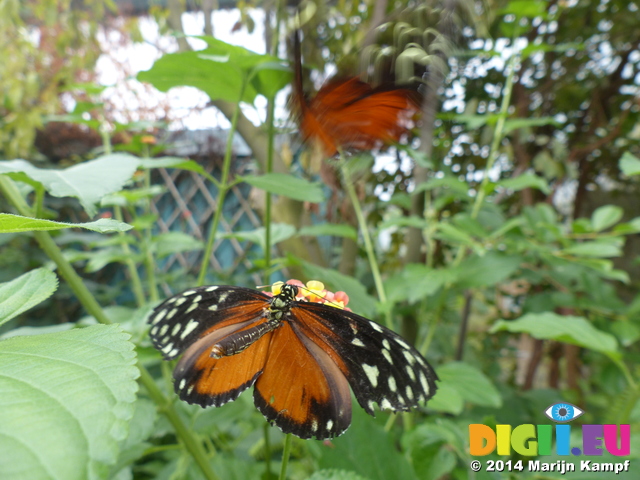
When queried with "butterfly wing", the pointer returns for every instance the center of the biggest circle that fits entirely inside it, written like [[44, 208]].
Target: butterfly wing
[[379, 365], [301, 389], [192, 323]]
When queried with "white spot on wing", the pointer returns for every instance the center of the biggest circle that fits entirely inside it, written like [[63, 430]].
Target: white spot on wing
[[424, 383], [213, 308], [167, 348], [372, 374], [314, 425], [172, 313], [386, 344], [411, 374], [191, 308], [392, 384], [376, 327], [385, 404], [182, 384], [370, 405], [159, 317], [189, 390], [387, 355], [409, 392], [329, 425], [189, 327], [189, 292], [402, 342], [211, 289], [197, 299], [163, 330], [356, 341], [180, 301], [154, 330], [411, 358], [176, 329]]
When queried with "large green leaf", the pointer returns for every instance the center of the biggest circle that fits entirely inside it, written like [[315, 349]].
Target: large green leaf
[[563, 328], [26, 291], [526, 180], [415, 282], [88, 181], [287, 185], [219, 71], [471, 384], [66, 402], [367, 450], [16, 223], [605, 217], [630, 164]]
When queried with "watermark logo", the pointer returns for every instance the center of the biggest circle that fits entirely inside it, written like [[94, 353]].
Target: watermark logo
[[530, 440]]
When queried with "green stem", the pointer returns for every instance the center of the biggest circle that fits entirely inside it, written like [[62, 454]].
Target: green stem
[[267, 451], [368, 244], [222, 191], [136, 284], [149, 261], [285, 457], [88, 301], [497, 135]]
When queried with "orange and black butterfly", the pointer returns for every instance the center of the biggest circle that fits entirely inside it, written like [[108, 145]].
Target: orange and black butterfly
[[349, 113], [301, 357]]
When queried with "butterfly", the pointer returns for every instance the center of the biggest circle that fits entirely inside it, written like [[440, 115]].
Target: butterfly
[[349, 113], [300, 356]]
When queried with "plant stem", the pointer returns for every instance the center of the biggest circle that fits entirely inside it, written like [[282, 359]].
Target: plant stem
[[222, 190], [136, 284], [285, 457], [368, 244], [88, 301]]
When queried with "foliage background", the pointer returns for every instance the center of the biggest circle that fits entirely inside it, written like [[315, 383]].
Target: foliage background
[[503, 243]]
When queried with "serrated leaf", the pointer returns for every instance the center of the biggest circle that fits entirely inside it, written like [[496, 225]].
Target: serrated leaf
[[331, 229], [26, 291], [606, 216], [630, 164], [472, 385], [563, 328], [287, 185], [16, 223], [67, 400], [88, 181]]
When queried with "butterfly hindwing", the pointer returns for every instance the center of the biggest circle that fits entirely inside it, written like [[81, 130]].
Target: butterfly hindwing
[[380, 365], [182, 319], [301, 389]]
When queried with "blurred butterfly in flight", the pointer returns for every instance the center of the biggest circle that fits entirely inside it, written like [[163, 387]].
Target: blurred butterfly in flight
[[297, 347], [351, 114]]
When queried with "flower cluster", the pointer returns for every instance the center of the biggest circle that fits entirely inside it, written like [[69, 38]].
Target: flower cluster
[[314, 291]]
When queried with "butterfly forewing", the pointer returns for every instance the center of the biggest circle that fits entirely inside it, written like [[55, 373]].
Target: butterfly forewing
[[380, 365], [182, 319]]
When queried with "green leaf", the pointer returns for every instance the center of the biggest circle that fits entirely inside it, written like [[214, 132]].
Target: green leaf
[[415, 282], [629, 164], [287, 185], [279, 233], [219, 71], [447, 399], [174, 242], [66, 403], [598, 249], [333, 474], [16, 223], [525, 8], [563, 328], [26, 291], [485, 271], [88, 181], [359, 300], [606, 216], [472, 385], [174, 162], [517, 123], [367, 450], [526, 180], [331, 229]]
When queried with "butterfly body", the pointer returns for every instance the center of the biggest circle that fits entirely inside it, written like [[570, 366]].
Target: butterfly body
[[301, 357]]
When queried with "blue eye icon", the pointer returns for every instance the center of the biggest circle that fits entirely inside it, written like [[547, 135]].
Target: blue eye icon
[[563, 412]]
